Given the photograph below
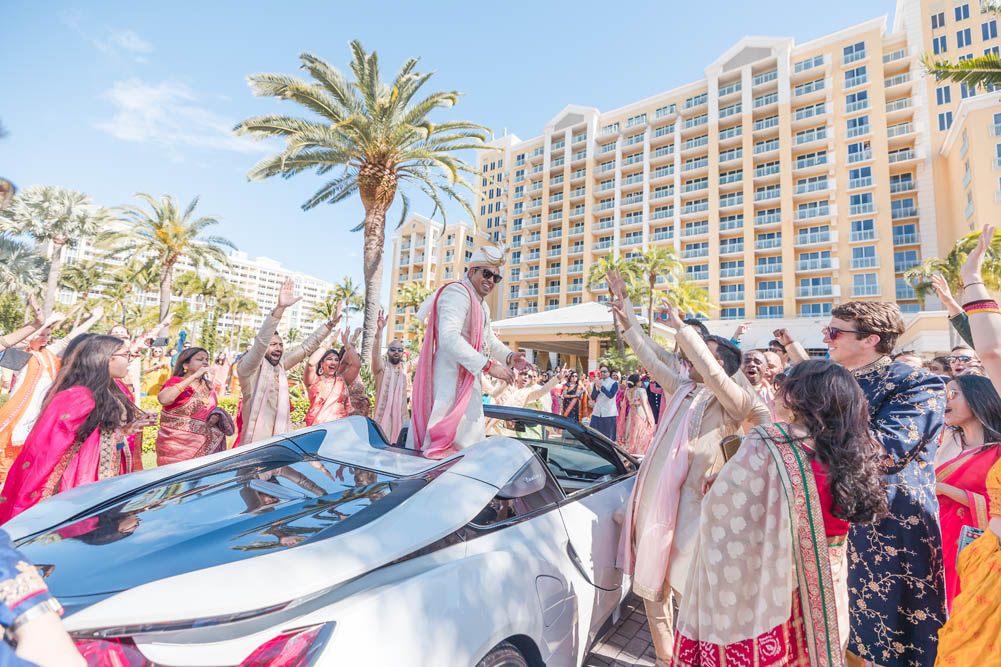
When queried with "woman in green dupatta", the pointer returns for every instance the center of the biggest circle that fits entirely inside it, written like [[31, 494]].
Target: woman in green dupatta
[[767, 585]]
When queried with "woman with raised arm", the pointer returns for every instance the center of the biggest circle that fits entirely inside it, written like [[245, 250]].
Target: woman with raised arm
[[328, 381], [192, 424], [769, 574], [571, 396], [80, 436], [971, 635], [971, 446]]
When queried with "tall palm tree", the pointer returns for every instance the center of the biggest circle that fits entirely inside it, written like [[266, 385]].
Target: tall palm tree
[[54, 215], [168, 234], [377, 136], [124, 283], [22, 267], [84, 278], [652, 264], [596, 276], [237, 306]]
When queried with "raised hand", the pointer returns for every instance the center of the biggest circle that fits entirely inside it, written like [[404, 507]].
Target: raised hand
[[944, 293], [346, 337], [673, 318], [619, 312], [616, 283], [782, 336], [382, 321], [971, 271], [741, 330], [286, 295], [337, 315]]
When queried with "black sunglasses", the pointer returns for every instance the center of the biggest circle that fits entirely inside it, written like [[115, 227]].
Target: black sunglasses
[[490, 275], [396, 349], [961, 358], [834, 332]]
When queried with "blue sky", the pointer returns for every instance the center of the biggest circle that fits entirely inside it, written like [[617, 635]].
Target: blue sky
[[112, 98]]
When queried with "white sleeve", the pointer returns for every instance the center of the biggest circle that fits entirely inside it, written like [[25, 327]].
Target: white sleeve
[[452, 315]]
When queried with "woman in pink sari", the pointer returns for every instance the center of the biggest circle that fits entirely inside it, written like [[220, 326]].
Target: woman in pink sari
[[219, 375], [638, 424], [973, 420], [80, 436], [188, 400], [328, 377]]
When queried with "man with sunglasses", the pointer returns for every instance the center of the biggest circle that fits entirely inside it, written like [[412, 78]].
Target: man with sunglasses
[[459, 346], [896, 581], [392, 384], [961, 358]]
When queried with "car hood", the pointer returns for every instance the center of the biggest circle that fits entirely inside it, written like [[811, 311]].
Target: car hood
[[293, 525]]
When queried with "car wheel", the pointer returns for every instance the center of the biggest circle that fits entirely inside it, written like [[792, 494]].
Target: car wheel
[[503, 655]]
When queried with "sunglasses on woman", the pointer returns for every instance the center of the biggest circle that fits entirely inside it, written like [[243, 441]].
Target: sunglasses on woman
[[834, 332], [490, 275], [963, 358]]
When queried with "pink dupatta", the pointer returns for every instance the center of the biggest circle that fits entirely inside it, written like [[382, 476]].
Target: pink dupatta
[[434, 440], [658, 534], [389, 404]]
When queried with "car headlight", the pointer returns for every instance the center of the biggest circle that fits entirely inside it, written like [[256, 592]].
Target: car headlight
[[299, 647]]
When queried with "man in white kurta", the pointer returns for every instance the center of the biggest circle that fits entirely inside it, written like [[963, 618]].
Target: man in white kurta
[[455, 350]]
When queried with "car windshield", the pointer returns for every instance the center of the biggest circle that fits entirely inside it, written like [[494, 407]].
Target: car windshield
[[275, 499]]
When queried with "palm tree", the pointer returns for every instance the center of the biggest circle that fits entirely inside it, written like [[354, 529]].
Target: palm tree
[[50, 214], [237, 306], [377, 136], [168, 235], [83, 278], [919, 277], [324, 309], [22, 267], [293, 336], [412, 294], [350, 295], [596, 276], [689, 298], [652, 264], [122, 284]]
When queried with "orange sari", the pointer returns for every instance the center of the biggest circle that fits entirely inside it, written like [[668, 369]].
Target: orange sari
[[184, 433], [329, 399], [24, 403]]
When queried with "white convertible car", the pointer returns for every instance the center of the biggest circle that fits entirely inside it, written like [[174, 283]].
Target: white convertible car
[[332, 547]]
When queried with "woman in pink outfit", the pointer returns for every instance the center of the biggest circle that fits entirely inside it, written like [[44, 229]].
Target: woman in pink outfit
[[189, 400], [638, 425], [80, 436]]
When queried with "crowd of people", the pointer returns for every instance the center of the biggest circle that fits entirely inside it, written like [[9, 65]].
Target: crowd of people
[[787, 510]]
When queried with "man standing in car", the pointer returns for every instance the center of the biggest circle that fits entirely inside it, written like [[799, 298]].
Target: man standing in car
[[459, 345]]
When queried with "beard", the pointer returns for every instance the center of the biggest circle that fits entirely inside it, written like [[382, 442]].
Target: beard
[[394, 360], [273, 360]]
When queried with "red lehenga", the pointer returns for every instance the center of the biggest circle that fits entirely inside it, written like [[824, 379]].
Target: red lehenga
[[767, 585], [968, 472], [184, 434], [53, 461]]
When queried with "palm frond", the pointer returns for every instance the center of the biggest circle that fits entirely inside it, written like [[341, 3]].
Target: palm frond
[[977, 72]]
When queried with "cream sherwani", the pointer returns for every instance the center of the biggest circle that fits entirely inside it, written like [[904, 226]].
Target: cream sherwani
[[454, 352], [391, 380], [719, 413], [253, 380]]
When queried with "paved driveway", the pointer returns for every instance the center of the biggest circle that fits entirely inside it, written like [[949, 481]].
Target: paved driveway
[[628, 643]]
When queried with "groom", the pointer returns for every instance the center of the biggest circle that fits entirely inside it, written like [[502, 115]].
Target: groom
[[459, 345]]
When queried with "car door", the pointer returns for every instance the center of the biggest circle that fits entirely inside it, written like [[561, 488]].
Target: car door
[[597, 482]]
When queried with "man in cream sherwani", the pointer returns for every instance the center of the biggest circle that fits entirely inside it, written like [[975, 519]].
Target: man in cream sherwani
[[451, 352]]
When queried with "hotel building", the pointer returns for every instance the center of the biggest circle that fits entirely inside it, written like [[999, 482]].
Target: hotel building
[[789, 178]]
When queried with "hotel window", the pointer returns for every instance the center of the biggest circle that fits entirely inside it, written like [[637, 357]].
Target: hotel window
[[943, 95], [772, 312], [992, 51], [731, 313], [857, 126], [944, 121], [962, 12], [854, 52], [989, 30], [815, 310], [939, 45], [905, 259], [963, 38], [966, 91], [938, 21]]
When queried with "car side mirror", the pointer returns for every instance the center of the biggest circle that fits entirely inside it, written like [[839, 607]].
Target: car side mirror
[[531, 478]]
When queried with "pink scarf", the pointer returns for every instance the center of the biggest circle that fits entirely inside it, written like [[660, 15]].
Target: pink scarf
[[658, 534], [390, 401], [436, 439], [260, 428]]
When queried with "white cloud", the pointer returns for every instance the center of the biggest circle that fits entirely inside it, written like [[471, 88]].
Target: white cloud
[[129, 40], [169, 114]]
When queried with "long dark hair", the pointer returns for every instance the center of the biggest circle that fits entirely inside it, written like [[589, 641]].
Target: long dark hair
[[984, 402], [88, 367], [328, 353], [827, 400], [184, 357]]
